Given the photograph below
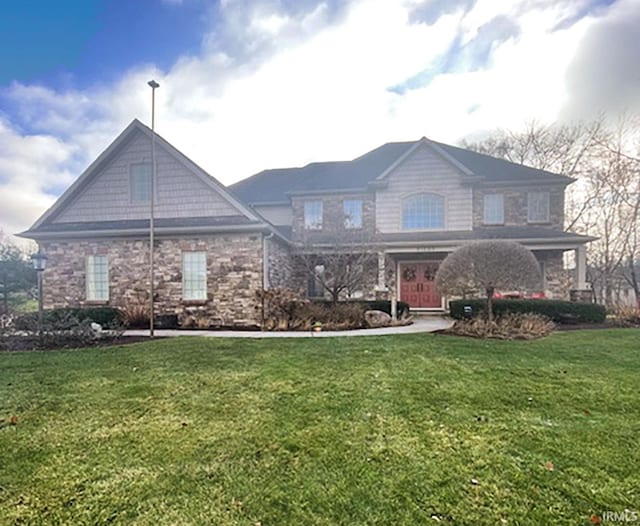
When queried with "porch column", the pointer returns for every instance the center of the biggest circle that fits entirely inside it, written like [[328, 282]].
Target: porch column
[[382, 285], [581, 268]]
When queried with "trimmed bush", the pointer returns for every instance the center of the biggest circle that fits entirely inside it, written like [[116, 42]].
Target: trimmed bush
[[518, 326], [105, 316], [559, 311]]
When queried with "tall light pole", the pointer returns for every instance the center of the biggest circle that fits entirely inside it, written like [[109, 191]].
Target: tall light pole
[[153, 84]]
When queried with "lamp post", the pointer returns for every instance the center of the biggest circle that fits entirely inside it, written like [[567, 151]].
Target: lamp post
[[153, 84], [39, 262]]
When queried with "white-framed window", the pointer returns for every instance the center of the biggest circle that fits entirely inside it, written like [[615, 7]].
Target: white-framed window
[[423, 211], [140, 182], [493, 209], [97, 278], [538, 207], [352, 213], [313, 215], [194, 275]]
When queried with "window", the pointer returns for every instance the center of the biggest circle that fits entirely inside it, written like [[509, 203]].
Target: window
[[194, 275], [494, 209], [352, 213], [538, 207], [314, 284], [423, 211], [97, 278], [140, 183], [313, 215]]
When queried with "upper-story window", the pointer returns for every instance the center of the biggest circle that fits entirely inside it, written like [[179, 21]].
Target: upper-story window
[[140, 183], [493, 209], [352, 213], [538, 207], [97, 278], [423, 211], [313, 215]]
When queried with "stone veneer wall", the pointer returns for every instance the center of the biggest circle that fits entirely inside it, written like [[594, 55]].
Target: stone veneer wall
[[234, 274], [557, 281], [516, 203], [333, 216], [280, 264]]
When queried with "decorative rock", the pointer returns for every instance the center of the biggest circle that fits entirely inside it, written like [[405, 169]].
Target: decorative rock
[[377, 318]]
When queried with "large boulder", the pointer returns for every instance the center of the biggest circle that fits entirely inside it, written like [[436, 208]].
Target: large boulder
[[377, 318]]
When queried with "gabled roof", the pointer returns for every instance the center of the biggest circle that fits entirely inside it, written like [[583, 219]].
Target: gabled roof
[[275, 186], [109, 154]]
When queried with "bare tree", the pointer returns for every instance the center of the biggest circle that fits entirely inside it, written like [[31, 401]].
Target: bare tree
[[337, 258], [605, 200], [16, 273], [488, 266]]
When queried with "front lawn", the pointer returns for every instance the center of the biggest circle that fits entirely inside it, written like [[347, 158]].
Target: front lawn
[[414, 429]]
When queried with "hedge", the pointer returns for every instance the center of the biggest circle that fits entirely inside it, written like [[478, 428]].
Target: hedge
[[403, 308], [559, 311], [105, 316]]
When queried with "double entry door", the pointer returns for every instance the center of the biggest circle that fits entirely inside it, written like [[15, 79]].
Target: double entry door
[[417, 285]]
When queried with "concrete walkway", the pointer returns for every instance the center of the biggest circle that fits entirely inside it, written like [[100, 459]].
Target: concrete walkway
[[420, 324]]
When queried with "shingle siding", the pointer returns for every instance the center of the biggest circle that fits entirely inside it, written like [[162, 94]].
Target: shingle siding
[[424, 171], [179, 192]]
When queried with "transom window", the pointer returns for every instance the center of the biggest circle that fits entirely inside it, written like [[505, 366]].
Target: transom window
[[313, 215], [194, 275], [494, 209], [140, 180], [352, 213], [97, 278], [423, 211], [538, 207]]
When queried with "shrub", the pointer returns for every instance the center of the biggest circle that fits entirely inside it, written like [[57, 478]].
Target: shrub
[[557, 310], [512, 326], [105, 316], [626, 317], [403, 308], [331, 317], [278, 308]]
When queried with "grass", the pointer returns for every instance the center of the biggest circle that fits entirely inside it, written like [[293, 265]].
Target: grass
[[387, 430]]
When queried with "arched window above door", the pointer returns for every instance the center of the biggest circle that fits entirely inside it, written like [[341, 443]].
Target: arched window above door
[[423, 211]]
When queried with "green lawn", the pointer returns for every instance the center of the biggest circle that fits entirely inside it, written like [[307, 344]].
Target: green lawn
[[354, 431]]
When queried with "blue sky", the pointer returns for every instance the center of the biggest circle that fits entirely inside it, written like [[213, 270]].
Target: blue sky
[[76, 43], [253, 84]]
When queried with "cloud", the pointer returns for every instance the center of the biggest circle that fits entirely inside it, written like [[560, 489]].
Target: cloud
[[604, 75], [282, 83]]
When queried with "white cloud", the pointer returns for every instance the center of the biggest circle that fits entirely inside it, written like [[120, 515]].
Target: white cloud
[[289, 88]]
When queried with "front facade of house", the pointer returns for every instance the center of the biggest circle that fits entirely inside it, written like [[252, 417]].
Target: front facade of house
[[215, 247]]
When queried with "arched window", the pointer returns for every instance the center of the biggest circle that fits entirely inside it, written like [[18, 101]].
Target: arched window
[[423, 211]]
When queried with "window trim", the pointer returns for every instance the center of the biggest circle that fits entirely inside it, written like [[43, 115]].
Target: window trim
[[547, 195], [90, 276], [186, 253], [151, 185], [424, 229], [348, 224], [485, 221], [314, 226]]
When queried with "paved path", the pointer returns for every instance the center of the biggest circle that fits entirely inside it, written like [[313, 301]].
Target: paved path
[[420, 324]]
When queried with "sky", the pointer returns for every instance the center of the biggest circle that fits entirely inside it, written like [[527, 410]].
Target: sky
[[252, 84]]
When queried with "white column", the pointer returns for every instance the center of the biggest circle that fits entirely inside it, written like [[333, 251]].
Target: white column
[[581, 268], [381, 271]]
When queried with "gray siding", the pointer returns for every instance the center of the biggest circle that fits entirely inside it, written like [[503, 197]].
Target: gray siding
[[424, 171], [179, 193], [278, 215]]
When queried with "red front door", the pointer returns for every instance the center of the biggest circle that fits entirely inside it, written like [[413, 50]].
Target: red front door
[[417, 285]]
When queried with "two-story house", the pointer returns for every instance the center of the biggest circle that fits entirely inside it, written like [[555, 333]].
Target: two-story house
[[216, 246]]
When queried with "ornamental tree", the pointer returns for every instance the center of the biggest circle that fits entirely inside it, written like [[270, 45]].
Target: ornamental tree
[[488, 266]]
